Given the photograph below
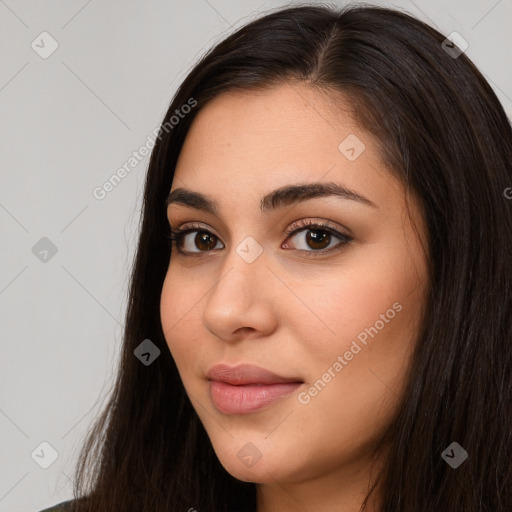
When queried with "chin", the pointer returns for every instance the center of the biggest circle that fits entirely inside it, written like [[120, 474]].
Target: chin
[[257, 474], [245, 462]]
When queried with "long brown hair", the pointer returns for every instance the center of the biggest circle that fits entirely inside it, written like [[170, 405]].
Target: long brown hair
[[444, 133]]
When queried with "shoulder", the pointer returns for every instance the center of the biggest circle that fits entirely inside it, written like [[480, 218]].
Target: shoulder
[[64, 506]]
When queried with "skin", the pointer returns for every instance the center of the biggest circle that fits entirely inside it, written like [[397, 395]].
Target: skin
[[291, 314]]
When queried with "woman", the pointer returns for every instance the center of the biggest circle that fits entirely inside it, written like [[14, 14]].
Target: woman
[[319, 313]]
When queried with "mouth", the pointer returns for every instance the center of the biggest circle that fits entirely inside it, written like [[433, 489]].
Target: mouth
[[245, 388]]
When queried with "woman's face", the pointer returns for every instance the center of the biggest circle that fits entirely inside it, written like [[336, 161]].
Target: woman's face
[[334, 317]]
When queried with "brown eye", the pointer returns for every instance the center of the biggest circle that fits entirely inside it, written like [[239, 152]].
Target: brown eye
[[318, 238], [205, 241], [202, 242]]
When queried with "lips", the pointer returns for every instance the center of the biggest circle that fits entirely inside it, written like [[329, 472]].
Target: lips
[[245, 388], [245, 374]]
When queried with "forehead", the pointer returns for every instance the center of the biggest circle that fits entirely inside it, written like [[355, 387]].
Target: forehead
[[244, 144], [282, 117]]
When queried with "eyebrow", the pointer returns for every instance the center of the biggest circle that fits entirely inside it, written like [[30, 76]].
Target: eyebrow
[[278, 198]]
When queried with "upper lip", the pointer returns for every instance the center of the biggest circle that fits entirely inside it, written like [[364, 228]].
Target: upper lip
[[245, 374]]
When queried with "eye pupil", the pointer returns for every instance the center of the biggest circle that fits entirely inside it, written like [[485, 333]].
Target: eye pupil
[[318, 237], [202, 237]]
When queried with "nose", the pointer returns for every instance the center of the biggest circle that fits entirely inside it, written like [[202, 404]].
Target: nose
[[242, 300]]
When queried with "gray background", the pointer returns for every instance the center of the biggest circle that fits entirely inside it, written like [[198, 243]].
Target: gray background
[[68, 122]]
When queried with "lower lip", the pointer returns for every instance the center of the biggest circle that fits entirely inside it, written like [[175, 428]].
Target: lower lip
[[248, 398]]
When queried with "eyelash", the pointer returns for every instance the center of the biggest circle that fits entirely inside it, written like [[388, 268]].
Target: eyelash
[[177, 235]]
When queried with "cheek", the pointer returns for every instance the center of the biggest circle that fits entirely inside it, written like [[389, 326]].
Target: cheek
[[357, 298], [169, 306], [178, 316], [356, 376], [373, 314]]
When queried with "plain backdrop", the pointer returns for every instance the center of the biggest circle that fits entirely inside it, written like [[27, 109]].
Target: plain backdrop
[[68, 121]]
